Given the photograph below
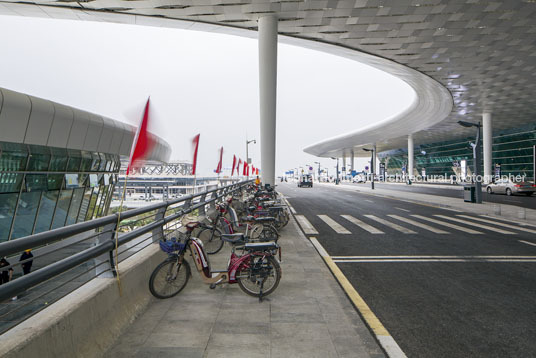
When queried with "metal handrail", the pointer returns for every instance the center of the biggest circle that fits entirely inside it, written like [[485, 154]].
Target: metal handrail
[[30, 280]]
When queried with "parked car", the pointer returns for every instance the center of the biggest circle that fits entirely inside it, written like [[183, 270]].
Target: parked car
[[305, 180], [509, 187]]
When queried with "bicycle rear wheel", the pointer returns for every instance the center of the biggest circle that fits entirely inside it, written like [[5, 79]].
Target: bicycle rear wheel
[[169, 278], [262, 271], [211, 238]]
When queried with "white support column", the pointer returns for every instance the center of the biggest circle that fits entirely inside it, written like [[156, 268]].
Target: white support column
[[411, 155], [268, 95], [344, 166], [487, 145], [352, 160]]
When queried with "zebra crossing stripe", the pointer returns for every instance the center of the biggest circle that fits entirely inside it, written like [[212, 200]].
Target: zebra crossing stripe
[[486, 227], [339, 229], [306, 226], [515, 227], [362, 224], [418, 224], [452, 226], [391, 225]]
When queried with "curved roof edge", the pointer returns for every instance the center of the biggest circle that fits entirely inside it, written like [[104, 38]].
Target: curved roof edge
[[27, 119], [433, 104]]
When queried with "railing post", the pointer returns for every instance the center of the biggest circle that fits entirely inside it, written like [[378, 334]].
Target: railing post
[[158, 233], [101, 268], [202, 200]]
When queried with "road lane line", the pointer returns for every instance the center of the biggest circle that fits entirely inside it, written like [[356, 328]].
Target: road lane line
[[509, 220], [486, 227], [391, 225], [433, 260], [370, 201], [418, 224], [532, 257], [362, 224], [452, 226], [407, 211], [306, 226], [527, 242], [384, 337], [339, 229], [509, 226]]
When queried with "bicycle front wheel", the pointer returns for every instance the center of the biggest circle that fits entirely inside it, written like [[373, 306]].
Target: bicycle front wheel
[[263, 273], [211, 238], [169, 278]]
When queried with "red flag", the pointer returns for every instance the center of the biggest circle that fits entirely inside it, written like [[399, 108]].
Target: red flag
[[219, 167], [257, 171], [252, 169], [234, 165], [245, 166], [195, 146], [142, 144], [238, 166], [247, 172]]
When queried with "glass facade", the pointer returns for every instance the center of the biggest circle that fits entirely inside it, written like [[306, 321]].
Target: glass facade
[[43, 188], [512, 149]]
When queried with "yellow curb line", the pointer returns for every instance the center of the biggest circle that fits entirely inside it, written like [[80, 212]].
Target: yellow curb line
[[387, 342]]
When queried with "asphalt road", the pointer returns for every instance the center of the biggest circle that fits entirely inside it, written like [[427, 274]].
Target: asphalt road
[[457, 192], [477, 300]]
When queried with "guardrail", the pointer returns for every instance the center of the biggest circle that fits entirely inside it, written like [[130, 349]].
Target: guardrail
[[99, 237]]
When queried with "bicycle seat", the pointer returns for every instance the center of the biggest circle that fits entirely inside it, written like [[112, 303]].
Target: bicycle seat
[[192, 225], [234, 238], [261, 246], [263, 219]]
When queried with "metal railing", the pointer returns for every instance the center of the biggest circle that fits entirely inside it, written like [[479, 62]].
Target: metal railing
[[97, 239]]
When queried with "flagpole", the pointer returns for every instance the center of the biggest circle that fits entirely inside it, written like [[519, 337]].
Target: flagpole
[[117, 237]]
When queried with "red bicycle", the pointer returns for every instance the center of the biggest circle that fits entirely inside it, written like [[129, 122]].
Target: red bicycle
[[257, 272]]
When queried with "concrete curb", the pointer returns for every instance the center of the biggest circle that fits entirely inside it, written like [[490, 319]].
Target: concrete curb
[[86, 322]]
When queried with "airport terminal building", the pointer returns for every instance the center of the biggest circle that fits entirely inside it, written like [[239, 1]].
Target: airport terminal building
[[58, 164]]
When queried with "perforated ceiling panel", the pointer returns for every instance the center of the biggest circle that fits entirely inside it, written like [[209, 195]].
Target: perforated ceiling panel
[[483, 52]]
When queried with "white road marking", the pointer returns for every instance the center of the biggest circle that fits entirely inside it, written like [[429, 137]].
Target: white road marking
[[339, 229], [407, 211], [527, 242], [290, 207], [509, 221], [515, 227], [486, 227], [391, 225], [366, 259], [452, 226], [318, 247], [392, 348], [362, 224], [418, 224], [306, 226], [370, 201]]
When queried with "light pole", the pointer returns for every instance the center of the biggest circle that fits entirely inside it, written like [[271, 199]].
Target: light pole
[[371, 166], [247, 155], [476, 159], [337, 180], [318, 170]]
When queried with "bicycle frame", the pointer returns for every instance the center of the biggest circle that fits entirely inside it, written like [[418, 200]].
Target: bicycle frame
[[213, 277]]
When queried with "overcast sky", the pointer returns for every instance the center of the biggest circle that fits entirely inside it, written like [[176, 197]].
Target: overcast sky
[[198, 82]]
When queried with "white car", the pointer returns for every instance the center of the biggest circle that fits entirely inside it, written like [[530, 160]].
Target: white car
[[359, 179]]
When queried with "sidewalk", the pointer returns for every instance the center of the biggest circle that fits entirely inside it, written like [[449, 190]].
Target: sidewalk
[[308, 315], [492, 209]]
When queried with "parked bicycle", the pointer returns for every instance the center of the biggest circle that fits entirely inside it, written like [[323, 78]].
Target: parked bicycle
[[257, 272]]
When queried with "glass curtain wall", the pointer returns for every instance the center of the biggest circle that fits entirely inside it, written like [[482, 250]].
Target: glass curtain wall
[[512, 149], [43, 188]]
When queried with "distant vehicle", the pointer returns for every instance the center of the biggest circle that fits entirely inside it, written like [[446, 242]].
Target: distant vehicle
[[509, 187], [358, 179], [305, 180]]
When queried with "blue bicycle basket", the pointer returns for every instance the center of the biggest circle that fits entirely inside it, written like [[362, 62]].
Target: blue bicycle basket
[[172, 245]]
